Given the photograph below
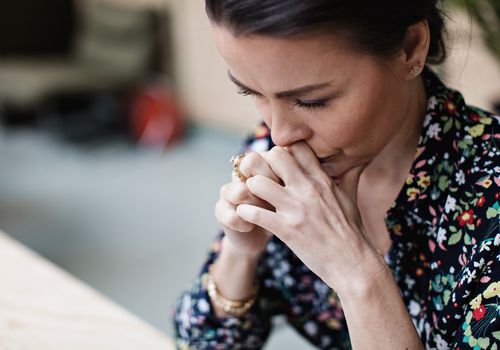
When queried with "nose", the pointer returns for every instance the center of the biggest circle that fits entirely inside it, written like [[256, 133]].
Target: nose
[[287, 129], [284, 133], [286, 126]]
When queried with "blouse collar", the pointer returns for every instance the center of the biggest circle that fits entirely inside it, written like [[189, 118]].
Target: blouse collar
[[422, 194]]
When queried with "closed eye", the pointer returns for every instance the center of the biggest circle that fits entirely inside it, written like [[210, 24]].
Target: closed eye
[[246, 92], [309, 105]]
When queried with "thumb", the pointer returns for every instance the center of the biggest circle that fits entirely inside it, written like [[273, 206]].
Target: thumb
[[348, 182]]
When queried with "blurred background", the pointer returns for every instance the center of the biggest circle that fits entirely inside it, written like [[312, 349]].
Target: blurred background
[[116, 125]]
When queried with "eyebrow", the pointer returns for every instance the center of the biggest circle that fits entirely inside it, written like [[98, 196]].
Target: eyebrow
[[283, 94]]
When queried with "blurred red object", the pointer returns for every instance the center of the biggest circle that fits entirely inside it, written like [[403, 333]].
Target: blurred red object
[[155, 116]]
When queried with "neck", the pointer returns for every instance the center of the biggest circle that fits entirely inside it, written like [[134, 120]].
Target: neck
[[396, 158]]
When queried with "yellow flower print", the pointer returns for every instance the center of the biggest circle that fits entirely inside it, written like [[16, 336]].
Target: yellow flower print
[[476, 130], [412, 193], [486, 120], [397, 229], [493, 290], [182, 345], [424, 181], [487, 183], [476, 302], [409, 180]]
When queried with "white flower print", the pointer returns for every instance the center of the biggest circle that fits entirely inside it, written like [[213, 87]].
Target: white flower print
[[460, 177], [479, 264], [433, 130], [410, 282], [485, 246], [203, 305], [450, 204], [496, 243], [441, 236], [441, 344], [432, 102], [414, 308], [311, 328], [427, 120]]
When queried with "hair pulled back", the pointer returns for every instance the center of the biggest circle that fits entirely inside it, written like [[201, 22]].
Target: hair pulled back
[[376, 27]]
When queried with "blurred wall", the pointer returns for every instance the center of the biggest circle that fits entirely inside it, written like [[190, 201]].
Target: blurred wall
[[211, 99], [201, 74]]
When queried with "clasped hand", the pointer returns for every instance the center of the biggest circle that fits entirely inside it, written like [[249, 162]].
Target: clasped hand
[[289, 195]]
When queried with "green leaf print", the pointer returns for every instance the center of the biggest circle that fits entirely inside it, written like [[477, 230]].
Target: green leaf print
[[448, 125], [483, 342], [443, 183], [491, 213], [455, 238], [496, 335], [467, 239], [446, 296]]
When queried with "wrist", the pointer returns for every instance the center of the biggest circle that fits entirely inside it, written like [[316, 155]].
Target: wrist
[[232, 254], [370, 278]]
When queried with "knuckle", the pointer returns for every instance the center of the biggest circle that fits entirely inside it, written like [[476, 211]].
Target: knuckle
[[257, 181], [297, 221], [238, 193], [234, 192], [231, 219], [275, 153], [254, 216], [223, 190], [312, 189], [220, 208], [249, 161]]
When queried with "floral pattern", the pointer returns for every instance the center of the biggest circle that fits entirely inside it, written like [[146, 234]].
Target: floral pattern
[[445, 232]]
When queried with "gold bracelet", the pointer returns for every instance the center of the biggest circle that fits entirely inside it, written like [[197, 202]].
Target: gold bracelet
[[232, 307]]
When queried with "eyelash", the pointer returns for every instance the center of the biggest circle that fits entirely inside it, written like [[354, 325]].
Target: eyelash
[[312, 106]]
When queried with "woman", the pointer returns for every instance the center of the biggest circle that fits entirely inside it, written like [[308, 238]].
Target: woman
[[366, 209]]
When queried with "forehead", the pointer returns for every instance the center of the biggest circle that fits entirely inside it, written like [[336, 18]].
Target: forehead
[[278, 63]]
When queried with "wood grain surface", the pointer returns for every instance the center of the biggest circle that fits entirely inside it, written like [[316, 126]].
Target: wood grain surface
[[44, 308]]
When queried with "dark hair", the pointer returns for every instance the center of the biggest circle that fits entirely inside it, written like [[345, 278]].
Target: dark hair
[[376, 27]]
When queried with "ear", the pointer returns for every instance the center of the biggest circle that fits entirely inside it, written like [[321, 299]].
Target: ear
[[415, 49]]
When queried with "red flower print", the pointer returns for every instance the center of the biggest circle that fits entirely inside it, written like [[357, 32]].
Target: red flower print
[[467, 217], [478, 222], [481, 201], [479, 312], [474, 117]]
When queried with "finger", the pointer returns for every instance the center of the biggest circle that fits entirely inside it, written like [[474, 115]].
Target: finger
[[349, 181], [255, 164], [269, 191], [284, 165], [266, 219], [238, 193], [226, 214], [307, 159]]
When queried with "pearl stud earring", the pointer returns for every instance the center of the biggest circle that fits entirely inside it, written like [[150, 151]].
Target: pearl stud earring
[[416, 70]]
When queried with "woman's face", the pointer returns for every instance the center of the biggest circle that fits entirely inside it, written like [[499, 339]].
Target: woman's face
[[344, 104]]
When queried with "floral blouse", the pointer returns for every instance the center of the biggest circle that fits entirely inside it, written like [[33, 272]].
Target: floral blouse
[[444, 227]]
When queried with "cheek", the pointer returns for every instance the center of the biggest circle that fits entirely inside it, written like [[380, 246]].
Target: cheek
[[354, 125]]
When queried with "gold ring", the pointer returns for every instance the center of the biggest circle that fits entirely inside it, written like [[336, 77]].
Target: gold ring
[[236, 161]]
